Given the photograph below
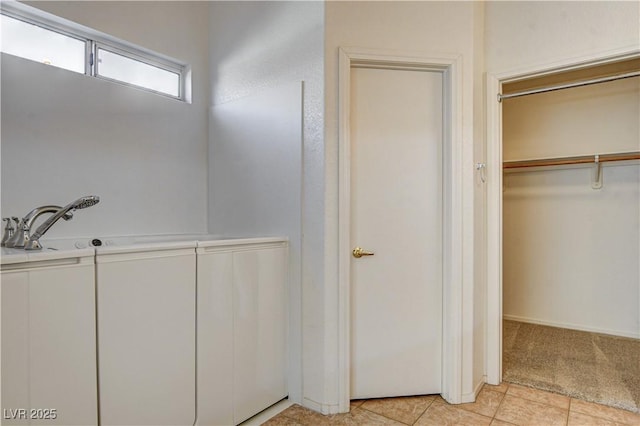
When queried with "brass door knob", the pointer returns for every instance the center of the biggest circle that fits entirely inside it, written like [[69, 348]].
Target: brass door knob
[[358, 252]]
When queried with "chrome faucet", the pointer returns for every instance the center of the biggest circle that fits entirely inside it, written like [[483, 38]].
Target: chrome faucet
[[80, 203], [21, 236]]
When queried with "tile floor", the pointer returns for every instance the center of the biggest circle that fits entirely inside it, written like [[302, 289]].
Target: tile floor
[[507, 404]]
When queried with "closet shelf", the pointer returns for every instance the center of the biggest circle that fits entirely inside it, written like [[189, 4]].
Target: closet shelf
[[561, 161]]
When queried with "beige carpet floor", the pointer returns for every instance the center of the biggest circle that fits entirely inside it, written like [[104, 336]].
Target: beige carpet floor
[[589, 366]]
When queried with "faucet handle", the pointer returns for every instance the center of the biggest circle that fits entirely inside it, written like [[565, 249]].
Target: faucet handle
[[8, 231], [9, 226], [11, 240]]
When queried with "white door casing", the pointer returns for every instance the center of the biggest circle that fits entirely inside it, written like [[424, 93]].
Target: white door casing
[[396, 207], [452, 190]]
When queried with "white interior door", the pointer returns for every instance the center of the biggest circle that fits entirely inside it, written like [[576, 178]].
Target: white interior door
[[396, 213]]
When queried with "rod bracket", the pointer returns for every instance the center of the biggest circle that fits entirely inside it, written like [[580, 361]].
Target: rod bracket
[[596, 182], [481, 167]]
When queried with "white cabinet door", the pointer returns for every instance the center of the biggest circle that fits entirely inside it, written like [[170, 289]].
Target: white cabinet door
[[215, 338], [49, 344], [146, 337], [242, 326], [260, 326], [15, 346]]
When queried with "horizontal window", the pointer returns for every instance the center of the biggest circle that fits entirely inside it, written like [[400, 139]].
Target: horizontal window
[[119, 67], [38, 36], [39, 44]]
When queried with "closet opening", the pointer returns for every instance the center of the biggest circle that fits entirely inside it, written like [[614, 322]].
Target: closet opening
[[571, 233]]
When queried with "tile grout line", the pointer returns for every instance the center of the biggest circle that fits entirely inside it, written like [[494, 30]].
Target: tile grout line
[[381, 415], [499, 404], [433, 401], [598, 415], [424, 411], [457, 407], [396, 420], [504, 396], [569, 413], [540, 402], [492, 416]]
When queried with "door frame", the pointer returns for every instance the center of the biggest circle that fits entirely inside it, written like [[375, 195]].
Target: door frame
[[494, 82], [450, 65]]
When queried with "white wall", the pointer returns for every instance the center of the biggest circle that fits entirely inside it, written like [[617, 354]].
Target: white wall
[[65, 135], [258, 51], [255, 164], [427, 28], [571, 253], [521, 34], [588, 120]]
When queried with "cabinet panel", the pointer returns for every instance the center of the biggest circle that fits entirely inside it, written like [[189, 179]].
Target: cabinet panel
[[15, 344], [215, 339], [49, 345], [146, 340], [259, 320], [242, 326], [63, 344]]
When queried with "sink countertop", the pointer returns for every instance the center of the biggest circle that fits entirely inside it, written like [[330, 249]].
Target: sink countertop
[[11, 256], [82, 247]]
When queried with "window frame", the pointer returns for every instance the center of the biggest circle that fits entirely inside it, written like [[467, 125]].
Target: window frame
[[95, 40], [147, 59], [56, 29]]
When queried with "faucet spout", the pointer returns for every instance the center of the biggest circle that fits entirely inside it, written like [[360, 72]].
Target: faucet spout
[[80, 203]]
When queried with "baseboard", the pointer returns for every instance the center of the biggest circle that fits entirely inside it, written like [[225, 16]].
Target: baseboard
[[471, 396], [325, 409], [488, 382], [572, 326]]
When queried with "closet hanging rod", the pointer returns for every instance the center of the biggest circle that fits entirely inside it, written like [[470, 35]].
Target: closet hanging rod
[[561, 161], [501, 97]]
